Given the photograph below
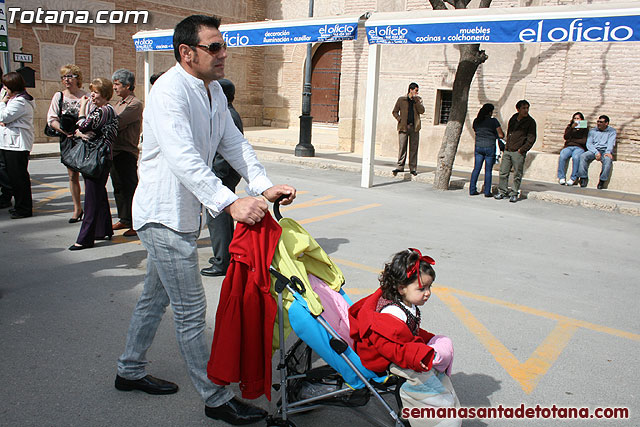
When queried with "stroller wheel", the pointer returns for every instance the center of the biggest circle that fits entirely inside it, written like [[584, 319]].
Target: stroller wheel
[[279, 422]]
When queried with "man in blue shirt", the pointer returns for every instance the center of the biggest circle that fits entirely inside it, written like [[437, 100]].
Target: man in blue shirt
[[600, 143]]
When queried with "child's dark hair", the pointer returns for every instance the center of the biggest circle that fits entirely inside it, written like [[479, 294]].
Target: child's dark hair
[[394, 274]]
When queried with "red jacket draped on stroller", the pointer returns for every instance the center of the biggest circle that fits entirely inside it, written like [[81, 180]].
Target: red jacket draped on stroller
[[241, 351]]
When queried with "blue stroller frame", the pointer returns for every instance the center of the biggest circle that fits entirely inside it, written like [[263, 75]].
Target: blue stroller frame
[[352, 378]]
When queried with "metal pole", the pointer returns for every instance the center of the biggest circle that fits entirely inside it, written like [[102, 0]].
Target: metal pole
[[304, 147]]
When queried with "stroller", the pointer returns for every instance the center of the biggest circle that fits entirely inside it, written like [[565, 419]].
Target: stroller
[[344, 381]]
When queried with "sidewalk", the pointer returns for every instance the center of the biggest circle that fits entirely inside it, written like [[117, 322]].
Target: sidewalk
[[277, 145]]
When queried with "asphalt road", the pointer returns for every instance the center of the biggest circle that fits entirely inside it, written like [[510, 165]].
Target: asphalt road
[[539, 299]]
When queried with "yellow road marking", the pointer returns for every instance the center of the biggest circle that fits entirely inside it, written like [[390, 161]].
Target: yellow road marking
[[46, 184], [359, 267], [339, 213], [46, 200], [552, 316], [527, 374]]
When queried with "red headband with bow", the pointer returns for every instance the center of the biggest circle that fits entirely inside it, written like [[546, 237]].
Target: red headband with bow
[[416, 267]]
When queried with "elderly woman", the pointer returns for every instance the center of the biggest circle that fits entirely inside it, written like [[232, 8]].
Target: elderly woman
[[16, 141], [102, 122], [64, 121]]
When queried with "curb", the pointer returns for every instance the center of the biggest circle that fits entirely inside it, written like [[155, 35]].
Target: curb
[[589, 202], [456, 183]]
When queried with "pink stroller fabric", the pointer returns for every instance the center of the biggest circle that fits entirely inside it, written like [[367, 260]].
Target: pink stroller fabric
[[336, 308]]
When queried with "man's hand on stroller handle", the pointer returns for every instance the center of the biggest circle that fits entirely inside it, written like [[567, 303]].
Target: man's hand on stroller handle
[[250, 210], [276, 191]]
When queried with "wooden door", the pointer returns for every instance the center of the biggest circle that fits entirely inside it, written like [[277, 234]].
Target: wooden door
[[325, 82]]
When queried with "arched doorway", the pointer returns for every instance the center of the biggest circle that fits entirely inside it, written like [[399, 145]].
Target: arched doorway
[[325, 82]]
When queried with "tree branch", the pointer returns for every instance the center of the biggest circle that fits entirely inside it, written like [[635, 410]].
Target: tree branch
[[438, 5], [485, 3]]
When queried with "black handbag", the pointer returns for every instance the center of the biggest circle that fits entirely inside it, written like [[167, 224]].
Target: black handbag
[[68, 122], [48, 130], [90, 158]]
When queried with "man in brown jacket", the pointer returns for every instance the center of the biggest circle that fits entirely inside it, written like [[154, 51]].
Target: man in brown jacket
[[124, 169], [521, 135], [407, 112]]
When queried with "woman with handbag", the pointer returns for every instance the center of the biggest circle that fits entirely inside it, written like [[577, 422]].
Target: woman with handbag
[[16, 141], [62, 121], [99, 127]]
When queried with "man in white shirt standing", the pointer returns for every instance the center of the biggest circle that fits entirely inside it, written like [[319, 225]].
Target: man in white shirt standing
[[186, 121]]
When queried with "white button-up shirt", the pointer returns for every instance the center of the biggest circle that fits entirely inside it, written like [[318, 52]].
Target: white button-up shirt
[[182, 130]]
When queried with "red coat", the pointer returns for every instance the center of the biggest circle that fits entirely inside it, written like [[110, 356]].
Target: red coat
[[241, 349], [381, 339]]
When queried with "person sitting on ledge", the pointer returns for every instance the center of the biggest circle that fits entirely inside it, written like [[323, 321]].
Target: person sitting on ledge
[[600, 143]]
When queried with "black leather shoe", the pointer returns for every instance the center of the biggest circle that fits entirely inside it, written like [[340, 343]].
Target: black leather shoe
[[78, 247], [147, 384], [236, 412], [584, 182], [475, 193], [396, 171], [488, 195], [600, 185], [212, 272], [414, 173], [18, 215]]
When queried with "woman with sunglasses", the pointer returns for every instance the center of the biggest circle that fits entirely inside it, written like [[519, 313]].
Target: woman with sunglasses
[[65, 122]]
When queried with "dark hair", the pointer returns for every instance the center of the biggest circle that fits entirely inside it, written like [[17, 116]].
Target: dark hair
[[155, 77], [521, 103], [412, 86], [394, 274], [14, 82], [186, 32], [229, 89], [603, 117], [577, 113], [485, 111], [125, 77]]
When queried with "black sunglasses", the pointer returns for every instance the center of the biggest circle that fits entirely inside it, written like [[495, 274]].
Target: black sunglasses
[[214, 47]]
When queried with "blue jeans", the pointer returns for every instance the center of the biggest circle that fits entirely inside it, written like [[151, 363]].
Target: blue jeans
[[172, 277], [574, 153], [486, 155], [585, 160]]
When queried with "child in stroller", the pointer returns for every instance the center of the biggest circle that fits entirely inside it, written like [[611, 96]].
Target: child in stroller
[[385, 327]]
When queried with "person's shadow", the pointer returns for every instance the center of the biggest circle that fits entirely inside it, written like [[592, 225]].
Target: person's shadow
[[473, 390]]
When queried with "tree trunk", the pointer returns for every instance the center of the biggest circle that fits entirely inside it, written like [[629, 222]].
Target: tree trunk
[[470, 58]]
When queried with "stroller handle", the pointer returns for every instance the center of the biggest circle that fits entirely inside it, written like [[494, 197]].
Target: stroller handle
[[276, 207]]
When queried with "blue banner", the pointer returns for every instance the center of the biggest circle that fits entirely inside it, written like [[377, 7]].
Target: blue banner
[[598, 29], [243, 35], [290, 34], [147, 44]]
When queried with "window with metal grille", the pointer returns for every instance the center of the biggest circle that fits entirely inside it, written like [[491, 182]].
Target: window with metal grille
[[444, 100]]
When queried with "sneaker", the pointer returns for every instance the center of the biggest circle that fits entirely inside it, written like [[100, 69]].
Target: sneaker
[[570, 181], [500, 196], [584, 182], [562, 181], [513, 198]]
